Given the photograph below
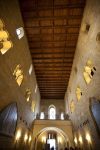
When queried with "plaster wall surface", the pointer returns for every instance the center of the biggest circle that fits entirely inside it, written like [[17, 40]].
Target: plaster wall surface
[[19, 54], [59, 104], [64, 126], [88, 47]]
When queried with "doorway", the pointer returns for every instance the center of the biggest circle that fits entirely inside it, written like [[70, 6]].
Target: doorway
[[52, 143]]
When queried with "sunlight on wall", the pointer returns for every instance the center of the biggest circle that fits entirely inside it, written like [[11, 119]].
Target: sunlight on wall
[[28, 94], [18, 74], [88, 71], [72, 106], [43, 139], [78, 93], [33, 106], [29, 139], [5, 44], [30, 69]]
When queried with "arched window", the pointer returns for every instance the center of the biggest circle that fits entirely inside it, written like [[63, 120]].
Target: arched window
[[62, 116], [52, 112], [42, 115], [20, 32]]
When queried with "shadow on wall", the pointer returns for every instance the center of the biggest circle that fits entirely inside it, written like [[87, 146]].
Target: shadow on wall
[[8, 120], [8, 123], [95, 112]]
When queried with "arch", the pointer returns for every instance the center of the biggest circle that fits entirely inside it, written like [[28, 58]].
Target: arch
[[52, 112], [64, 127], [58, 130], [54, 129]]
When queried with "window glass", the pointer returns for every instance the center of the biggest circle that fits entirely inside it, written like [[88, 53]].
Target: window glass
[[62, 116], [52, 113], [20, 32], [42, 115]]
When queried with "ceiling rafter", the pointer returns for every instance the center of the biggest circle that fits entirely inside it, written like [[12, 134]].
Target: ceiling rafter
[[52, 28]]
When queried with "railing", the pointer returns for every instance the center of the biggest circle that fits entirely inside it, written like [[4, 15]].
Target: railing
[[56, 117]]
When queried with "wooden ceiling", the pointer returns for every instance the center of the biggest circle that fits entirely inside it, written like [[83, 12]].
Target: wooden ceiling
[[52, 28]]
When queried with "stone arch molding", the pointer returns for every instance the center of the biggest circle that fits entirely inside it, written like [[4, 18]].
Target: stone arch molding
[[60, 131], [51, 106], [63, 127]]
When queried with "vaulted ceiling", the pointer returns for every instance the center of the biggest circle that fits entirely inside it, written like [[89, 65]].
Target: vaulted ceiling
[[52, 28]]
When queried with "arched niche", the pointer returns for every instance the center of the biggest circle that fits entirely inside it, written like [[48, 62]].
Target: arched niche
[[8, 120], [95, 112]]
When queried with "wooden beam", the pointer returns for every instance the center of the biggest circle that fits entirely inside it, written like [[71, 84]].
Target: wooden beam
[[54, 65], [53, 55], [52, 61], [63, 68], [51, 34], [52, 98], [54, 27], [52, 87], [49, 7], [52, 90], [54, 74], [65, 52], [52, 51], [55, 88], [55, 82], [54, 79]]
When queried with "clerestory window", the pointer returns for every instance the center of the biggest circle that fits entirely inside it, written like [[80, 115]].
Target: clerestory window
[[52, 112]]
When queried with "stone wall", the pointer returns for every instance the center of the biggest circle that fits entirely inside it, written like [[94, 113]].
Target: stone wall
[[18, 54], [61, 126], [88, 48], [59, 104]]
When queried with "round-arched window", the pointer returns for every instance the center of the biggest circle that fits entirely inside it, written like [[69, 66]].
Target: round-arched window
[[52, 112]]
